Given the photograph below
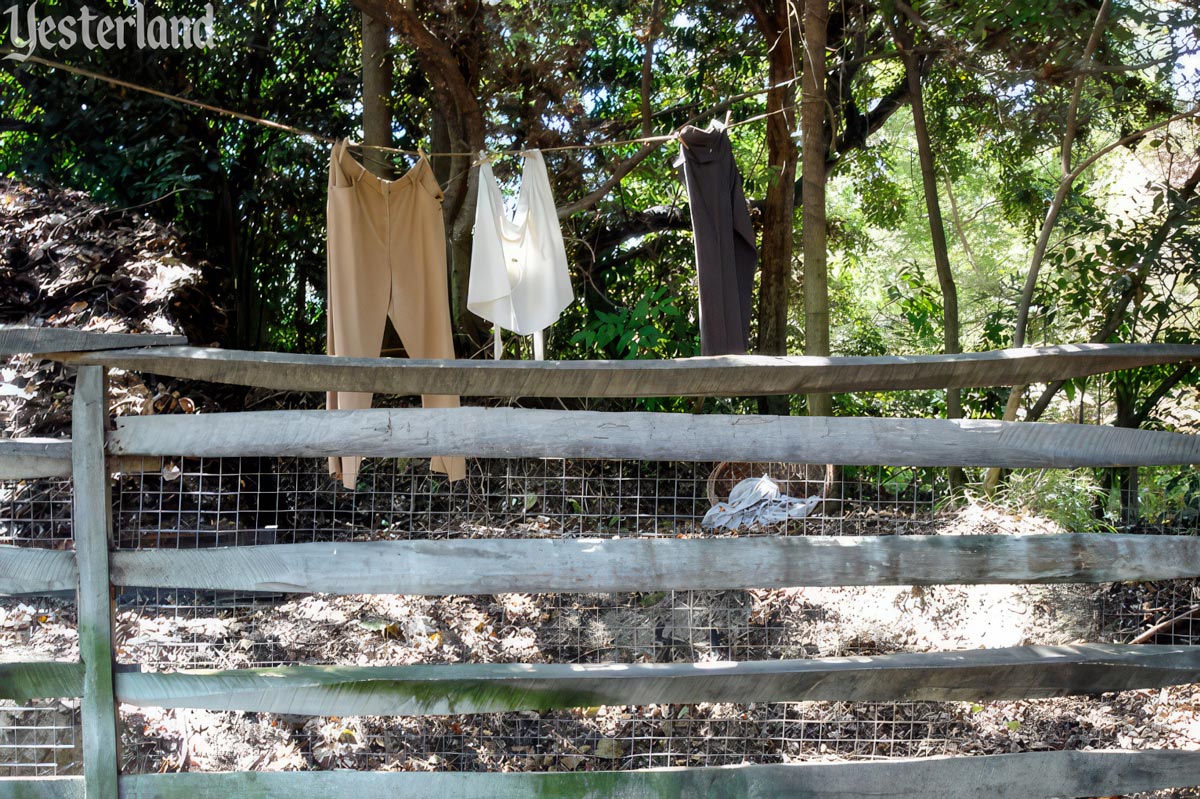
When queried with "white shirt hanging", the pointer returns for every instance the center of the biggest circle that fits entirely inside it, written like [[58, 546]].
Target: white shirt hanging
[[519, 276]]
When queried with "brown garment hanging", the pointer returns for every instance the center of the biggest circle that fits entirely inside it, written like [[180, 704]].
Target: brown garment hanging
[[386, 260]]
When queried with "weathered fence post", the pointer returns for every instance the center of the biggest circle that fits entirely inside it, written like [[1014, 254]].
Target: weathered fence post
[[93, 528]]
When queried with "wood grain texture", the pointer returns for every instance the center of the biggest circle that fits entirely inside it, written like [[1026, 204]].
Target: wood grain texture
[[21, 682], [27, 570], [521, 433], [41, 787], [93, 533], [31, 458], [1034, 775], [972, 675], [20, 339], [480, 566], [36, 458], [725, 375]]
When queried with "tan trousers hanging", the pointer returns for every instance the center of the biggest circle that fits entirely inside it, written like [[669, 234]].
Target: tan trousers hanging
[[387, 260]]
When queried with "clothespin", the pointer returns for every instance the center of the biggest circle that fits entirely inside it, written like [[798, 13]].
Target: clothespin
[[728, 115], [485, 158], [421, 152], [679, 135]]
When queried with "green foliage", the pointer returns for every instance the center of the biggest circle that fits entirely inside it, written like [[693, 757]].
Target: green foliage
[[884, 201], [1068, 497], [1170, 496], [643, 331], [920, 304]]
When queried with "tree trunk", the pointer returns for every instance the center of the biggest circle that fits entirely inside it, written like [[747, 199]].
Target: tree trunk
[[377, 124], [377, 88], [245, 287], [779, 205], [458, 242], [812, 129], [937, 230]]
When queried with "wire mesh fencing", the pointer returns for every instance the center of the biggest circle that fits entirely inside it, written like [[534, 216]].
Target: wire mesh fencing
[[205, 502], [38, 738], [242, 501], [36, 513]]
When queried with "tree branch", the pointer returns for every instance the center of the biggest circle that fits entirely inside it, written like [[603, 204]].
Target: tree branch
[[653, 220], [1064, 186], [625, 167], [1116, 313], [1077, 93], [622, 169], [1164, 388], [859, 127]]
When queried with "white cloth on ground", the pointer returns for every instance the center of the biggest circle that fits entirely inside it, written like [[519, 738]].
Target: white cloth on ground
[[519, 278], [757, 502]]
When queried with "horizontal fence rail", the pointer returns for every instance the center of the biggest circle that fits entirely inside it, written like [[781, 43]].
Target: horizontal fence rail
[[22, 681], [1037, 775], [725, 375], [38, 458], [32, 458], [1033, 775], [533, 566], [42, 788], [21, 339], [29, 570], [521, 433], [1031, 672]]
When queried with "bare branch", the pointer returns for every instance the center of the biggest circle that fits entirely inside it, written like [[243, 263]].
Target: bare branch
[[1064, 186]]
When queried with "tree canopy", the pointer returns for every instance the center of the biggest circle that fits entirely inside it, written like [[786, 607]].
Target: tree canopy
[[1056, 141]]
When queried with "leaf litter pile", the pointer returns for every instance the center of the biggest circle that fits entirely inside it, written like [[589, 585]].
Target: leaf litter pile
[[69, 262]]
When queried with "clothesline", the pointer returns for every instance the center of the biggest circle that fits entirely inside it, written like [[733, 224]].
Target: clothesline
[[420, 152], [87, 73]]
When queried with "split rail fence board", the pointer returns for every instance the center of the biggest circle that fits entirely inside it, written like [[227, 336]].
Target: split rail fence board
[[522, 433], [22, 681], [1035, 775], [92, 518], [22, 339], [724, 375], [1015, 673], [42, 788], [37, 458], [31, 458], [30, 570], [537, 566]]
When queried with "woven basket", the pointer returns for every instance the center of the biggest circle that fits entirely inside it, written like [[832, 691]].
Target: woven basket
[[794, 479]]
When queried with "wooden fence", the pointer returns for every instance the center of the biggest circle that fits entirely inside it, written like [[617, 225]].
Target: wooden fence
[[443, 567]]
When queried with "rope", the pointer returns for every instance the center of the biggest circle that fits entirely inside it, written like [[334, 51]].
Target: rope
[[87, 73], [330, 140]]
